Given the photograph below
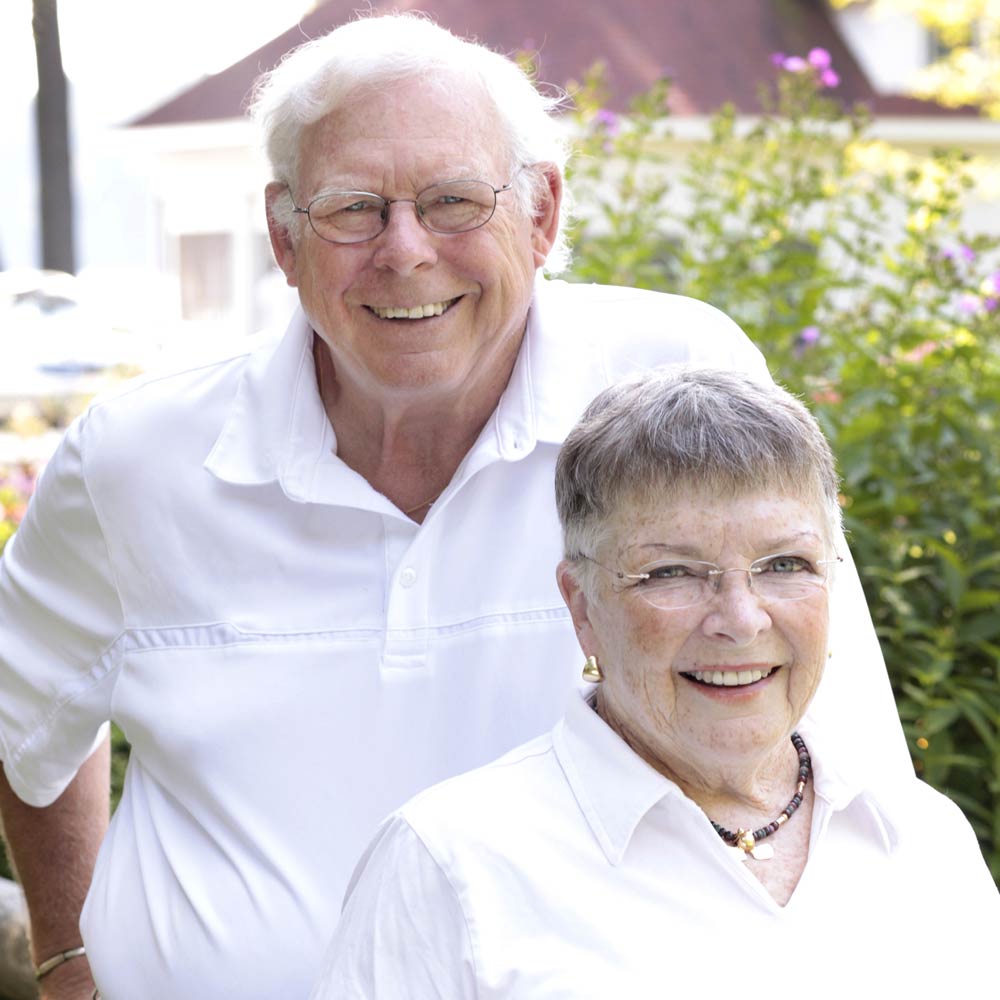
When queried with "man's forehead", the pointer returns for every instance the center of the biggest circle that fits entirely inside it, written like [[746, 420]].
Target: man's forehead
[[402, 137], [428, 108]]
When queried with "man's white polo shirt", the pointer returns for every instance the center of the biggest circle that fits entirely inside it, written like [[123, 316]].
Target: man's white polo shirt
[[290, 656]]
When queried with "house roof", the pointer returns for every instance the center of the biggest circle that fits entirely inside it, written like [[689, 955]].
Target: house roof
[[713, 52]]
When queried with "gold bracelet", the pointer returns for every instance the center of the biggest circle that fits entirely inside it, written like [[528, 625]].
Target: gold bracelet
[[44, 968]]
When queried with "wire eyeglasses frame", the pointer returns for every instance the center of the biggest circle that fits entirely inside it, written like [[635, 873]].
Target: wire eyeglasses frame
[[478, 214], [712, 574]]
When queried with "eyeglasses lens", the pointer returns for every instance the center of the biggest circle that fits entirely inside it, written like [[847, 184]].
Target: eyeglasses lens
[[682, 584], [356, 216]]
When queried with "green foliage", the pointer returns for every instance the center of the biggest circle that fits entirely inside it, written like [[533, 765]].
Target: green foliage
[[845, 261]]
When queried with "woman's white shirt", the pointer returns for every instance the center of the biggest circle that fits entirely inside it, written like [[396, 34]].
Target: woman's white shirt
[[571, 869]]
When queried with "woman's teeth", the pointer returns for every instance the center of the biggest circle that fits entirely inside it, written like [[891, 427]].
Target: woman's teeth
[[412, 312], [729, 678]]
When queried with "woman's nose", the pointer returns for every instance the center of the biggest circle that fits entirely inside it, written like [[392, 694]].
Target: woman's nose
[[735, 610]]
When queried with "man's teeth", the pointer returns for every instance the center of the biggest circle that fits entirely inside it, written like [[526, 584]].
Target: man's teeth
[[414, 312], [729, 678]]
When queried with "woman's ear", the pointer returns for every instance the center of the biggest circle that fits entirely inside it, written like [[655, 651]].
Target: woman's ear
[[579, 605]]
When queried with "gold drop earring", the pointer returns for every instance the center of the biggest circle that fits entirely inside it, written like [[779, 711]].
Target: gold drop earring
[[592, 670]]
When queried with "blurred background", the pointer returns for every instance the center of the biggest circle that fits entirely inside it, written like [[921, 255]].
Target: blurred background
[[779, 158], [825, 171], [153, 190]]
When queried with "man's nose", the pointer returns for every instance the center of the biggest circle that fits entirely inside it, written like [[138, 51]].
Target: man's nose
[[405, 244]]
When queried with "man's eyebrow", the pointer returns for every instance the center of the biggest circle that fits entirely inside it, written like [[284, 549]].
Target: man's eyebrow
[[349, 182]]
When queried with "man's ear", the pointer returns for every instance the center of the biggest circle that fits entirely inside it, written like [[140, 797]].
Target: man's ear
[[281, 239], [579, 606], [546, 217]]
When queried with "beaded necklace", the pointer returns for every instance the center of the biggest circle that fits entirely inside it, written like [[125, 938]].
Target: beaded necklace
[[744, 842]]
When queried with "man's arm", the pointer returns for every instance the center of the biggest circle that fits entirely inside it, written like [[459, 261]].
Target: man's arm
[[54, 850]]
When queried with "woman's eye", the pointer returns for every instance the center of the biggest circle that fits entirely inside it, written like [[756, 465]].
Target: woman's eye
[[786, 564]]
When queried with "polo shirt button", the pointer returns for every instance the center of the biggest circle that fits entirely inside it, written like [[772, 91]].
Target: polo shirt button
[[408, 577]]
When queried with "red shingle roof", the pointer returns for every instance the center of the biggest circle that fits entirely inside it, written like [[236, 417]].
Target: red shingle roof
[[714, 51]]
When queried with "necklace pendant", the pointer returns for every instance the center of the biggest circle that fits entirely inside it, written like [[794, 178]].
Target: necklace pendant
[[749, 848]]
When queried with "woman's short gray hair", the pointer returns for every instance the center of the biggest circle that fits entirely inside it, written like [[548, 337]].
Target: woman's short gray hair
[[675, 430], [372, 51]]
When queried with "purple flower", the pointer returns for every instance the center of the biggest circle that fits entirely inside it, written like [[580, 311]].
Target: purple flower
[[967, 253], [808, 336], [795, 64], [607, 118], [778, 59], [819, 59], [969, 303], [829, 78], [990, 304]]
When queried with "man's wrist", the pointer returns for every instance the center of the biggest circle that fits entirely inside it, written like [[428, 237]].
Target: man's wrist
[[59, 958], [70, 980]]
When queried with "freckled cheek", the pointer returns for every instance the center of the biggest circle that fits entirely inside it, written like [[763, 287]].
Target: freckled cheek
[[651, 663], [811, 654]]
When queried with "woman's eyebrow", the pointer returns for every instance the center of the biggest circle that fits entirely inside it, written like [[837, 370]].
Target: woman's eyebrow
[[774, 544]]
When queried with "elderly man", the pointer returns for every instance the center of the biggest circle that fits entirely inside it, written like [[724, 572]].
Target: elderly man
[[309, 581]]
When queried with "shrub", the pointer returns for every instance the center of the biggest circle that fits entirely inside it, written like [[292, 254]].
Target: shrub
[[846, 262]]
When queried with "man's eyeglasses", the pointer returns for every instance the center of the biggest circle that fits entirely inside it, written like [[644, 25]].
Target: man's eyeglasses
[[673, 584], [356, 216]]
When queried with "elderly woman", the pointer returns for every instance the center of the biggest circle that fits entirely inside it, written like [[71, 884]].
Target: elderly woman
[[684, 830]]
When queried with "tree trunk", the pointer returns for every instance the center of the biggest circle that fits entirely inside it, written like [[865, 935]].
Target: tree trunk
[[52, 118]]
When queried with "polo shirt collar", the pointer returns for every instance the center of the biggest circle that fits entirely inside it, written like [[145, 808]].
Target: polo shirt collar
[[839, 781], [277, 429], [615, 788], [276, 413]]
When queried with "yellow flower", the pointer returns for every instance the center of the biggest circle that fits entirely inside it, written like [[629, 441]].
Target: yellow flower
[[922, 219], [950, 537]]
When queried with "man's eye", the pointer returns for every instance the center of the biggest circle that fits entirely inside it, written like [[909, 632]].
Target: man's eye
[[358, 206], [444, 201], [670, 571]]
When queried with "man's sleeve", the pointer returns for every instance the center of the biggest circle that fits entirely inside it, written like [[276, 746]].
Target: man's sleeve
[[643, 330], [403, 932], [60, 617]]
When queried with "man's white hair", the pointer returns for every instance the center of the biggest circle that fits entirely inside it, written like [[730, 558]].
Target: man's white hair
[[318, 77]]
